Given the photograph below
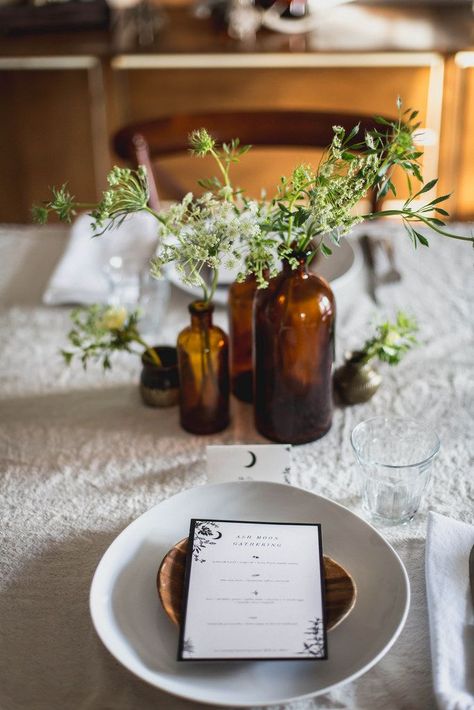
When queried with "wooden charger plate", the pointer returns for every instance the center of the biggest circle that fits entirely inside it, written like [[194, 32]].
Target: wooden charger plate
[[340, 594]]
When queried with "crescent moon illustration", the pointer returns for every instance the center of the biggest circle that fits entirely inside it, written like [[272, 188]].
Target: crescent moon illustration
[[253, 461]]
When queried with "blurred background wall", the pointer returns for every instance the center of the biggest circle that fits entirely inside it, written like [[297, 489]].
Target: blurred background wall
[[69, 79]]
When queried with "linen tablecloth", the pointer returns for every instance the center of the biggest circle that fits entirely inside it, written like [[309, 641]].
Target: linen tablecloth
[[81, 457]]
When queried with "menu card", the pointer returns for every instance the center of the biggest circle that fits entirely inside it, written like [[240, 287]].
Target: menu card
[[253, 591]]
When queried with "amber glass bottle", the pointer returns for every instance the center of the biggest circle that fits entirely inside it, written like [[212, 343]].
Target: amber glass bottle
[[241, 296], [203, 352], [294, 322]]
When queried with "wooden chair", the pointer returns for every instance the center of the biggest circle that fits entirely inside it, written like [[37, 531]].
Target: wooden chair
[[145, 143]]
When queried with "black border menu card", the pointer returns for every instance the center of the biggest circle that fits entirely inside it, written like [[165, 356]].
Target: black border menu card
[[253, 591]]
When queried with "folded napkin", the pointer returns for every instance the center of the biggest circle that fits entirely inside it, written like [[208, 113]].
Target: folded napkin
[[80, 275], [451, 616]]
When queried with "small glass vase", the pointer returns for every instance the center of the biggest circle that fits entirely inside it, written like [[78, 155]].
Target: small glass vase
[[294, 321], [159, 386], [241, 298], [203, 352]]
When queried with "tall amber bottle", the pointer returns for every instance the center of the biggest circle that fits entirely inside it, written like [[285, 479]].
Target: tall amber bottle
[[203, 353], [241, 297], [294, 323]]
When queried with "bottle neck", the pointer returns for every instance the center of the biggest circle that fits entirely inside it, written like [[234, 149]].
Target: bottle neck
[[301, 268], [201, 314]]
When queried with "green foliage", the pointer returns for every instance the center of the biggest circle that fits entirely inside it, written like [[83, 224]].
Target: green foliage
[[99, 331], [62, 203], [128, 192], [200, 234], [202, 144], [223, 227], [391, 340], [323, 203], [311, 204]]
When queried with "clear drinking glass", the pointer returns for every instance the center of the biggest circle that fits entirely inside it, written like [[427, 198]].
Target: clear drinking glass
[[153, 304], [123, 275], [394, 455], [132, 286]]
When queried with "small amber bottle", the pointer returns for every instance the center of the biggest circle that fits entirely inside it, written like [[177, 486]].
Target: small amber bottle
[[241, 298], [203, 353]]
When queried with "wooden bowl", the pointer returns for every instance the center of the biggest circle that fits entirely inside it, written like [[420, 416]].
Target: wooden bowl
[[339, 599]]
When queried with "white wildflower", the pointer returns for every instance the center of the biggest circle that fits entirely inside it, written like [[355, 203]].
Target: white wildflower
[[369, 141]]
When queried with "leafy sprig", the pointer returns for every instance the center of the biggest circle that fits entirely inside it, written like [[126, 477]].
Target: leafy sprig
[[350, 168], [392, 340], [62, 203], [396, 141], [423, 215], [200, 234], [201, 144], [310, 205], [98, 331], [128, 192]]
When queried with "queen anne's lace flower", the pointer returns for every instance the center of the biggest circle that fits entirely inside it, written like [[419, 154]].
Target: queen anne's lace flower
[[205, 232], [201, 142]]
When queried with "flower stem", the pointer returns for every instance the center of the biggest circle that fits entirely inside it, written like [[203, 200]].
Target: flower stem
[[150, 351], [212, 290], [441, 231], [205, 290], [154, 213], [224, 172], [290, 220]]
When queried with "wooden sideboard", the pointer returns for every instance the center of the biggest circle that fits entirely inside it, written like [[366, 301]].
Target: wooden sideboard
[[63, 95]]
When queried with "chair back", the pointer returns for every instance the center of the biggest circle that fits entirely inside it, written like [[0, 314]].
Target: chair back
[[145, 143]]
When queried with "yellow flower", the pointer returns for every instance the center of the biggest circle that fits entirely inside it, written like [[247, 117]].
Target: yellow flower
[[114, 318], [392, 338]]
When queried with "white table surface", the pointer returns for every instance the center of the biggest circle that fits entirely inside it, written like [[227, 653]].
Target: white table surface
[[81, 457]]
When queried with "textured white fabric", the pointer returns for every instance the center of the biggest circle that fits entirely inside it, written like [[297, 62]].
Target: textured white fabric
[[81, 457], [450, 610]]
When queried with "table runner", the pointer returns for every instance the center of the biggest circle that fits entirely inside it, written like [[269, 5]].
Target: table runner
[[81, 457]]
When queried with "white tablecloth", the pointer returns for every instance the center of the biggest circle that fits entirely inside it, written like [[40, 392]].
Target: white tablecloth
[[81, 457]]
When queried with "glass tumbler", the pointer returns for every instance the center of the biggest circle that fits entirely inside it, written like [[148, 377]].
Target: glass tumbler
[[132, 286], [123, 275], [153, 304], [395, 456]]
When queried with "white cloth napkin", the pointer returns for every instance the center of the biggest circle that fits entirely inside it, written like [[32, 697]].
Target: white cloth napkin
[[79, 277], [451, 616]]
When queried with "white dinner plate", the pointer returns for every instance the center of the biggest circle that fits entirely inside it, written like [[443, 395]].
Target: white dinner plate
[[341, 269], [133, 626]]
